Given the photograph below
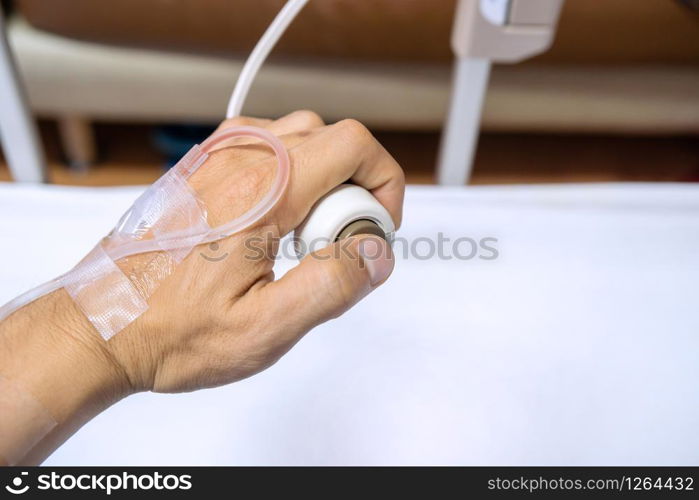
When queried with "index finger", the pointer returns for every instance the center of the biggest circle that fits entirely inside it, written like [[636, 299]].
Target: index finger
[[345, 151]]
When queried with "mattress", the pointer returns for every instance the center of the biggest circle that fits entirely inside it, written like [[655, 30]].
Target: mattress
[[574, 341]]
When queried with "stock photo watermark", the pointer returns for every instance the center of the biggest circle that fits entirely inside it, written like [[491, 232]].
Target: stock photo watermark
[[423, 248]]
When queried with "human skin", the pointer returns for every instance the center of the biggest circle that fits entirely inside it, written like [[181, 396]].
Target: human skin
[[213, 323]]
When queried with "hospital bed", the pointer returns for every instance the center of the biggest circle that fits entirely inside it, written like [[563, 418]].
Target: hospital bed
[[577, 345]]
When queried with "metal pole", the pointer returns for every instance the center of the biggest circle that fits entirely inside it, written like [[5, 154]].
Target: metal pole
[[20, 140], [460, 134]]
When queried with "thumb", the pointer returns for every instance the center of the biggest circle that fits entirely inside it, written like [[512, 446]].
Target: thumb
[[328, 282]]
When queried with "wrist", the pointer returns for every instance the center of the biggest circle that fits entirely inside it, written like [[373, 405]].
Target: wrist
[[51, 350]]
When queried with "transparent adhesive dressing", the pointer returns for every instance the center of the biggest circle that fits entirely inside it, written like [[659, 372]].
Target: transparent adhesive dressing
[[169, 219]]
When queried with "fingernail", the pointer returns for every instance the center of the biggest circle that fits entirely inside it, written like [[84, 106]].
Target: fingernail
[[377, 258]]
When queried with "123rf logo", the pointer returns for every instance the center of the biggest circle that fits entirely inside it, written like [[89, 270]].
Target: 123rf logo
[[106, 483]]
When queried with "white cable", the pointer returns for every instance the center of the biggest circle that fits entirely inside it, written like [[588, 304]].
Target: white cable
[[260, 53]]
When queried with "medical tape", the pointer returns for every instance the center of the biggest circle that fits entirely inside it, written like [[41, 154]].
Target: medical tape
[[159, 231]]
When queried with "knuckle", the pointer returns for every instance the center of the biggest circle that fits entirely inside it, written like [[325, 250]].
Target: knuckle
[[399, 174], [308, 118], [355, 130]]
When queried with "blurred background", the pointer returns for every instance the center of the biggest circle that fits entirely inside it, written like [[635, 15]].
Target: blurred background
[[122, 89]]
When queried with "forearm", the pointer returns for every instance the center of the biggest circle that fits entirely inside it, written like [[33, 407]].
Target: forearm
[[50, 356]]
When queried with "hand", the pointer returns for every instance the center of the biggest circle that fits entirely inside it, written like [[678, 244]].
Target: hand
[[234, 319], [212, 323]]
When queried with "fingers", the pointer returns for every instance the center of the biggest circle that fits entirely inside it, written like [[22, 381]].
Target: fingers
[[292, 129], [335, 154], [296, 121], [322, 157], [324, 285]]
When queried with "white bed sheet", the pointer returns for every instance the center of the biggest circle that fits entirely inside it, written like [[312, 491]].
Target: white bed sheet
[[578, 345]]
